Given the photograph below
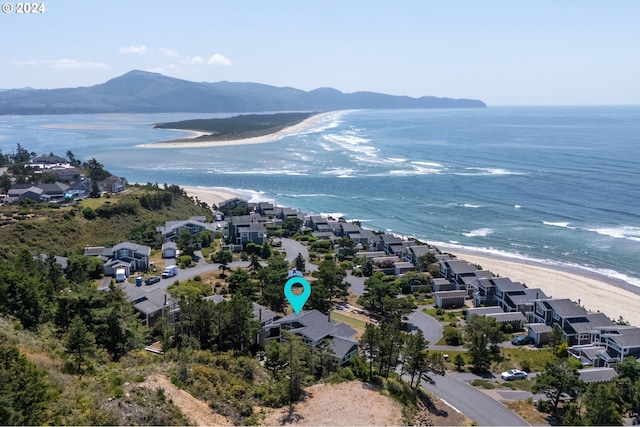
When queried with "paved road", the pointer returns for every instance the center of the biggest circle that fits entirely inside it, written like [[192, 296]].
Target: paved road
[[431, 328], [292, 248], [482, 409]]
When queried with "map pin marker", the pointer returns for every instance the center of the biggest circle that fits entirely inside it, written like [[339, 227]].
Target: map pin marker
[[297, 301]]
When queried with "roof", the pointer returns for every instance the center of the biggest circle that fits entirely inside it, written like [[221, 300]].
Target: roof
[[589, 322], [263, 313], [316, 326], [527, 296], [627, 337], [482, 311], [169, 245], [450, 294], [459, 266], [566, 308], [539, 328], [57, 187], [94, 250], [513, 316], [140, 249], [341, 346], [597, 375]]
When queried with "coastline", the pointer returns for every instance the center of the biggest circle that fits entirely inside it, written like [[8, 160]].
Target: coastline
[[595, 292], [301, 127]]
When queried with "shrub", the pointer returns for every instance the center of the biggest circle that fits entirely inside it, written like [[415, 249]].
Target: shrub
[[452, 336], [545, 406], [184, 261], [89, 213]]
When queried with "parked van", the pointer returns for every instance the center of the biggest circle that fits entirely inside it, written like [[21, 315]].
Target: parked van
[[170, 271], [121, 275]]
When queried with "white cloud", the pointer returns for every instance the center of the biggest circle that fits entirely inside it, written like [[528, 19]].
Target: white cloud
[[140, 50], [193, 60], [168, 52], [219, 59], [72, 64], [61, 64]]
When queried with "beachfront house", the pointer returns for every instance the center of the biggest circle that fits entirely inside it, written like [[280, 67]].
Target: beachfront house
[[576, 323], [609, 345]]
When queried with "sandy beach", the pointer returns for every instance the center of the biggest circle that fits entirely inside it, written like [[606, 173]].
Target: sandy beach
[[211, 196], [303, 126], [595, 294]]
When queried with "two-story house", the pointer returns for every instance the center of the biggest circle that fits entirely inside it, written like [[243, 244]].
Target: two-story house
[[316, 329]]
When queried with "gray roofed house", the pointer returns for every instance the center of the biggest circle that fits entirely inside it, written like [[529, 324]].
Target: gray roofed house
[[412, 253], [315, 328], [448, 299], [172, 229], [55, 190]]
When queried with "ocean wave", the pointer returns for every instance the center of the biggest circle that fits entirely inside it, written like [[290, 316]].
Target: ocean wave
[[339, 172], [352, 143], [623, 232], [487, 171], [614, 277], [257, 172], [480, 232], [559, 224]]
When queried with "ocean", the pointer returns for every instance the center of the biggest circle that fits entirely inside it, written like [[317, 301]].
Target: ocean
[[551, 184]]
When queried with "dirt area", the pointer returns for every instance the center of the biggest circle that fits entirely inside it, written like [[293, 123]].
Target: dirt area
[[196, 410], [345, 404]]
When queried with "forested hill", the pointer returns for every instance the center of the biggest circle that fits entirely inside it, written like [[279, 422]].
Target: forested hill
[[145, 92]]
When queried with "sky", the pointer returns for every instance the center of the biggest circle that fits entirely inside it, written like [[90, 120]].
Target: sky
[[505, 52]]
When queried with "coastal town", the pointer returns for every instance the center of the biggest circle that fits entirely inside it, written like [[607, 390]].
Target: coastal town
[[362, 281]]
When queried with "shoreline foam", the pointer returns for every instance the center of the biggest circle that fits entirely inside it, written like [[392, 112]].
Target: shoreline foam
[[304, 126]]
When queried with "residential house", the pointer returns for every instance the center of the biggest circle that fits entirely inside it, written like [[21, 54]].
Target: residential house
[[461, 273], [412, 253], [55, 191], [229, 205], [50, 160], [112, 184], [503, 292], [130, 256], [25, 191], [449, 299], [609, 345], [440, 284], [171, 230], [318, 223], [401, 267], [317, 329], [515, 319], [247, 229], [576, 323]]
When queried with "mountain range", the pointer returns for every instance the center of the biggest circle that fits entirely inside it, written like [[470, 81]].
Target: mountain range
[[146, 92]]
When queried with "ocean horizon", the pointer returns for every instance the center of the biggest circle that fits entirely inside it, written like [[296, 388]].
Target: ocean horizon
[[554, 185]]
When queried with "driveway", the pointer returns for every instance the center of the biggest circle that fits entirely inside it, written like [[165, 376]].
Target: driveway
[[293, 248], [482, 409]]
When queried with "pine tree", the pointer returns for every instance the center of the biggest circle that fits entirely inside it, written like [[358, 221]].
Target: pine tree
[[79, 342]]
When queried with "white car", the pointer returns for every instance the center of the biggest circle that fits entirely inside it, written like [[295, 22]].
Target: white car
[[514, 374]]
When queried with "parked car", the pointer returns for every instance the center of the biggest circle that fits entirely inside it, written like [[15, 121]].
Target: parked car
[[514, 374], [151, 280], [523, 340]]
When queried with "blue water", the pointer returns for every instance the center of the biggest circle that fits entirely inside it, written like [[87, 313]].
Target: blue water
[[558, 184]]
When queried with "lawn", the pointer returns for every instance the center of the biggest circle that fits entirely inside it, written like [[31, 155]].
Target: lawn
[[515, 357], [95, 203], [348, 320]]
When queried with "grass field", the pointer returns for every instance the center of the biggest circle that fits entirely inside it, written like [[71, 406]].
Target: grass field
[[348, 320]]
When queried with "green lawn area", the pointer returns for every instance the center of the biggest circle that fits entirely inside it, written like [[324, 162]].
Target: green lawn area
[[514, 358], [348, 320], [96, 203]]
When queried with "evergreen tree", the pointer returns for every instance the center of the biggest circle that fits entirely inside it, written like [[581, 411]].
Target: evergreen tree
[[603, 405], [80, 343], [559, 377], [480, 332], [300, 263]]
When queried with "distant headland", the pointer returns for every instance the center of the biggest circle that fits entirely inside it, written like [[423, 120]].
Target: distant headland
[[234, 128], [145, 92]]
